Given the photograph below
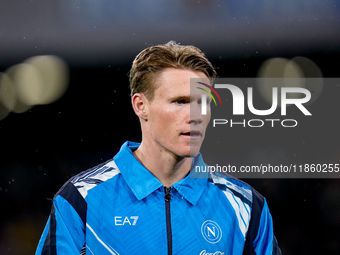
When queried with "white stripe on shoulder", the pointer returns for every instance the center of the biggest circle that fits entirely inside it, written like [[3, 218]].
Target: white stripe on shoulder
[[244, 190], [242, 210], [91, 178]]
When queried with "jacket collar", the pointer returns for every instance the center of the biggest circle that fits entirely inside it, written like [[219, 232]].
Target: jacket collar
[[142, 183]]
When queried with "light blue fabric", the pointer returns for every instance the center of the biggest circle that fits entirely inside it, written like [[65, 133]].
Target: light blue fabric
[[126, 213]]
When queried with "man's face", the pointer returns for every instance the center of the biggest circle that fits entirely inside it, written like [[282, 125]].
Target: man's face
[[175, 123]]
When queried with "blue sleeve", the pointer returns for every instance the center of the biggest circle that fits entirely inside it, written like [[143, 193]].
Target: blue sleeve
[[43, 237], [265, 242], [65, 229], [260, 236]]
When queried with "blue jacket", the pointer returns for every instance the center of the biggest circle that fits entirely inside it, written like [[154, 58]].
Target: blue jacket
[[119, 207]]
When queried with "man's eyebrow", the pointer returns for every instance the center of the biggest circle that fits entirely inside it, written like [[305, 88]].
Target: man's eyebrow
[[176, 98]]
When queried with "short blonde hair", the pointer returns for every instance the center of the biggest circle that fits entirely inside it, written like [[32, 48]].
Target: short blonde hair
[[171, 55]]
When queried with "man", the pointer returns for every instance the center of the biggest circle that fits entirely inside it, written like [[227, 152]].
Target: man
[[144, 201]]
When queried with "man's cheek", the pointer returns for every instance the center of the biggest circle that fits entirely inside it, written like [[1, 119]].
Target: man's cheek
[[207, 119]]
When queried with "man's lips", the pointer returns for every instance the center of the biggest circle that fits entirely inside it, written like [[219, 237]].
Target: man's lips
[[192, 133]]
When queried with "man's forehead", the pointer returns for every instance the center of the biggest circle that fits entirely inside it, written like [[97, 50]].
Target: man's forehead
[[180, 75], [180, 82]]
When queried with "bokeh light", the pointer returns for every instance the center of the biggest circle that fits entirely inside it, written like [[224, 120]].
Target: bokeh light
[[289, 73], [9, 93], [37, 81], [45, 83]]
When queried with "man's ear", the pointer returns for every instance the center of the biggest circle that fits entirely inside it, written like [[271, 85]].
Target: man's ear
[[139, 105]]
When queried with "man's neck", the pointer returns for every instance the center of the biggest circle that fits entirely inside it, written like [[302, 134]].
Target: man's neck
[[166, 167]]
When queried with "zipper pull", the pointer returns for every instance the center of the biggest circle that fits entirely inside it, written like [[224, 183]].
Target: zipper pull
[[167, 195]]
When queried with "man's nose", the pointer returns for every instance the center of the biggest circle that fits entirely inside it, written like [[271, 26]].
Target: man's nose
[[195, 114]]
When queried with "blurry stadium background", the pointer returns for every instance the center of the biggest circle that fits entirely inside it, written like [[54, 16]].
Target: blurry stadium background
[[65, 106]]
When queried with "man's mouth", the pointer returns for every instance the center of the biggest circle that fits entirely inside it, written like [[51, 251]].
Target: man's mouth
[[192, 134]]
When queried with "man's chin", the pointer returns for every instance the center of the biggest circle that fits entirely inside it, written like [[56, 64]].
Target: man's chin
[[194, 150], [190, 153]]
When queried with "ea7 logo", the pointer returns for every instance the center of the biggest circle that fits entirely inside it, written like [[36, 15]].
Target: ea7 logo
[[120, 220]]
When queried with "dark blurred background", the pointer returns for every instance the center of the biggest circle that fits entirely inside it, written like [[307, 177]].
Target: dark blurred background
[[45, 141]]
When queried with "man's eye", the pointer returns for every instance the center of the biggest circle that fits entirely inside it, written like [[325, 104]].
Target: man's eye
[[182, 101]]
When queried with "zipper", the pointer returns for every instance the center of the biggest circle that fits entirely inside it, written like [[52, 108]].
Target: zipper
[[168, 198]]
